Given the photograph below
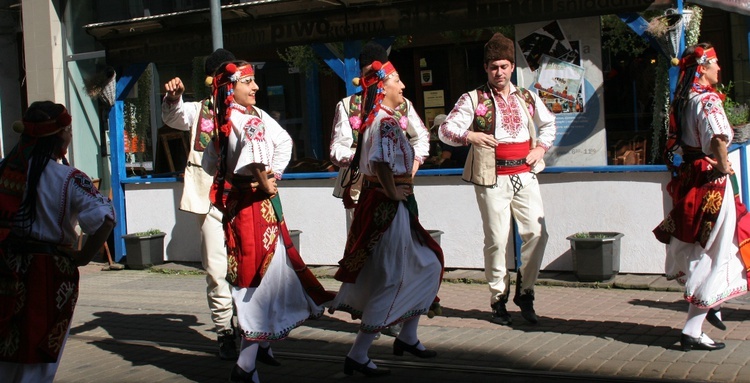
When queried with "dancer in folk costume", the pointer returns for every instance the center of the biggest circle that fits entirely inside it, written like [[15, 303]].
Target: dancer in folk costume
[[348, 120], [346, 125], [42, 199], [272, 288], [707, 229], [500, 122], [392, 268], [197, 117]]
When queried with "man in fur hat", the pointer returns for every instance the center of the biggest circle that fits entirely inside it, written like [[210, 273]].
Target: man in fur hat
[[509, 130], [198, 119]]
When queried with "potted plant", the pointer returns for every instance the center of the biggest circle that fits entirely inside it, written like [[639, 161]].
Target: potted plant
[[144, 249], [738, 115], [596, 255]]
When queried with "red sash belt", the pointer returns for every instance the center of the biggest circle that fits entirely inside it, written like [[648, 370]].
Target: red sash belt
[[508, 155]]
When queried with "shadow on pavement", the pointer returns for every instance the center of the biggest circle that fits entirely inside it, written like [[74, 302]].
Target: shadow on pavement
[[631, 333]]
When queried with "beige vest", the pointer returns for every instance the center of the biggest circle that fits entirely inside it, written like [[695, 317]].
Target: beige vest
[[197, 182], [480, 168]]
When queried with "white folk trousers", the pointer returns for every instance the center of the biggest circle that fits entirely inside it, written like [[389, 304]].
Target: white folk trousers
[[497, 206], [214, 259]]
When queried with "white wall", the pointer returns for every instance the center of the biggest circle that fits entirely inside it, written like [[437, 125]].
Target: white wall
[[630, 203]]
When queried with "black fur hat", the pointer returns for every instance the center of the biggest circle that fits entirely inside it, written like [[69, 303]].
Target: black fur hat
[[372, 51], [219, 56]]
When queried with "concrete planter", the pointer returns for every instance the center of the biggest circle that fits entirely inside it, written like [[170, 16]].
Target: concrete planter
[[295, 239], [596, 256], [144, 251], [435, 234]]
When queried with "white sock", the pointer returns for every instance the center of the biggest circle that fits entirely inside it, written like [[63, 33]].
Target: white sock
[[408, 332], [706, 339], [694, 323], [718, 312], [361, 346], [248, 353]]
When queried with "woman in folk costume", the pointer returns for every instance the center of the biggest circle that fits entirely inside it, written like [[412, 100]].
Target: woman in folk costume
[[42, 199], [707, 223], [272, 288], [392, 268]]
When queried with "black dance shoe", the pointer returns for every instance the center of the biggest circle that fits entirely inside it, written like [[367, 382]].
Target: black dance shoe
[[500, 314], [350, 366], [712, 318], [400, 346], [240, 376], [264, 356], [227, 346], [688, 343], [526, 303]]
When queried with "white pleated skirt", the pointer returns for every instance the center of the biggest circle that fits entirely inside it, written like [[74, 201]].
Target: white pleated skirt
[[713, 274], [398, 281], [278, 305]]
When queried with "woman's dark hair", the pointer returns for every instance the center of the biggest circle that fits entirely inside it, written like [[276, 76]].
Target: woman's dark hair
[[369, 104], [43, 150]]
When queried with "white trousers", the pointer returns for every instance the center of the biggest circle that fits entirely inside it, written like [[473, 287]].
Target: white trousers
[[497, 206], [214, 259]]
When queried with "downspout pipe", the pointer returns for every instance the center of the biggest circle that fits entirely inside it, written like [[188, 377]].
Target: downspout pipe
[[216, 31]]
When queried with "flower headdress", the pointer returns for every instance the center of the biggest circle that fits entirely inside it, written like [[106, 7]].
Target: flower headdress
[[379, 73], [227, 78], [700, 56]]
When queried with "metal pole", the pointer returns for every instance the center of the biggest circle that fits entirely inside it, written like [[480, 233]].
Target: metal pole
[[216, 33]]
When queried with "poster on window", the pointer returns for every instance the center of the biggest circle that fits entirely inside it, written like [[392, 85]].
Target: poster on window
[[561, 61], [558, 83]]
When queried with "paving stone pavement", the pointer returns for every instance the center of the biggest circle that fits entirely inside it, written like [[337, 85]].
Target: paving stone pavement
[[145, 326]]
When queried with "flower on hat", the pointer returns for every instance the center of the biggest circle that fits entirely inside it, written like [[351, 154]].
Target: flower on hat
[[235, 74]]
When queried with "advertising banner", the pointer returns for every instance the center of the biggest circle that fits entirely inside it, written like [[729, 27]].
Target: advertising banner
[[561, 61]]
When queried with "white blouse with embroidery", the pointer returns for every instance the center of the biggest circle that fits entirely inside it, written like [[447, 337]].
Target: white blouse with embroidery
[[253, 140], [342, 139], [703, 119], [510, 120], [385, 141]]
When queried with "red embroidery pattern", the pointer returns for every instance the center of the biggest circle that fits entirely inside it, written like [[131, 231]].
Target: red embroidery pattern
[[510, 113]]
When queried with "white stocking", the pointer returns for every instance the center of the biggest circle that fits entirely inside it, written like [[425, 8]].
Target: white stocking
[[248, 353], [360, 348], [694, 323], [408, 332]]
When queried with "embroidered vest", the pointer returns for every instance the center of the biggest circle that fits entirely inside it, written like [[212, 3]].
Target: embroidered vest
[[480, 168]]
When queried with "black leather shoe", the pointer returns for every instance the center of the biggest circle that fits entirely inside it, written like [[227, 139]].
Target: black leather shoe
[[400, 346], [712, 318], [500, 314], [240, 376], [350, 366], [264, 356], [392, 330], [227, 346], [688, 343], [526, 303]]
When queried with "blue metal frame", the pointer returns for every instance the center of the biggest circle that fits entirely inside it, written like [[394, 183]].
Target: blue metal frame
[[314, 118], [117, 151]]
